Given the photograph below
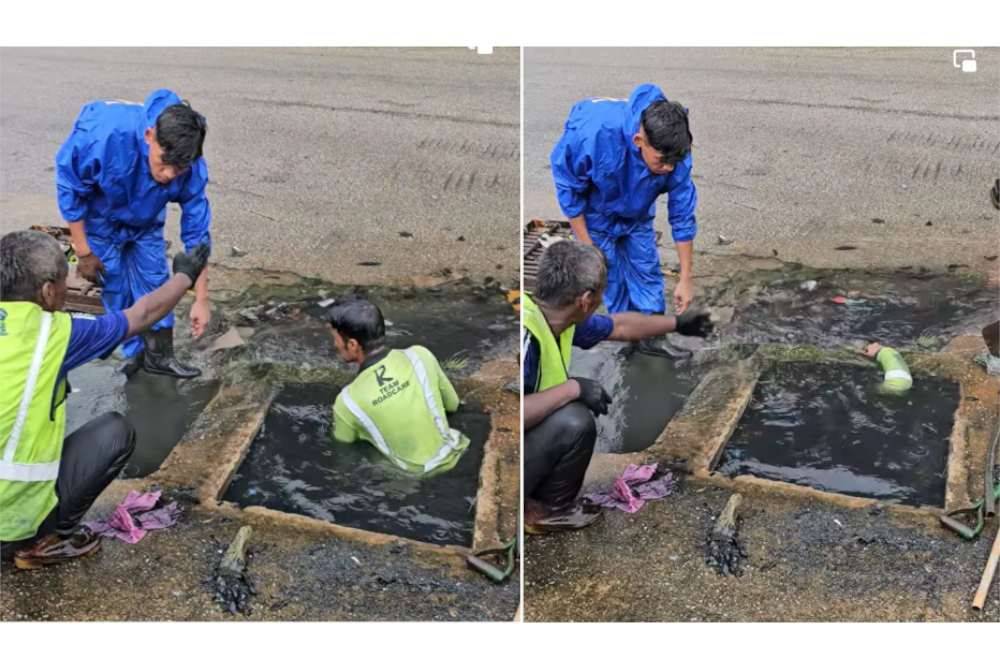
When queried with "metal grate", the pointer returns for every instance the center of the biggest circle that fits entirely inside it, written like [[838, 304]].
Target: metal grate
[[539, 234], [81, 295]]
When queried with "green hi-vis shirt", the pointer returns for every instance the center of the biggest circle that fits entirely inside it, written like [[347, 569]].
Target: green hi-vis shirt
[[897, 374], [398, 404]]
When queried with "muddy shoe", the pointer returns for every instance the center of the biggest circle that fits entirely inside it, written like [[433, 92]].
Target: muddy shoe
[[576, 516], [159, 357], [54, 549]]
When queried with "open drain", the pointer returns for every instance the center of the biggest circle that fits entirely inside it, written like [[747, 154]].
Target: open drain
[[825, 426], [294, 466], [647, 391], [834, 308]]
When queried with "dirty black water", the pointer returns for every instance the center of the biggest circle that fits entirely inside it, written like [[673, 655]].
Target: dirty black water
[[462, 326], [827, 427], [647, 391], [904, 309], [294, 466], [161, 409]]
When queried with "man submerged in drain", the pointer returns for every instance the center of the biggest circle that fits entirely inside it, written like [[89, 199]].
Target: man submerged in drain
[[897, 380], [559, 410], [49, 481], [399, 399]]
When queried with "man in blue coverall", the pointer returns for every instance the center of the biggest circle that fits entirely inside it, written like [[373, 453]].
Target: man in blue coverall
[[614, 159], [116, 172]]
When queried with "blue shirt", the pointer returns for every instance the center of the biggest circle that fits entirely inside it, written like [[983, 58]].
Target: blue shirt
[[93, 337], [589, 333]]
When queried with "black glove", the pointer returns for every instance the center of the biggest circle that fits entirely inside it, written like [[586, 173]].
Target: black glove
[[593, 395], [192, 264], [695, 324]]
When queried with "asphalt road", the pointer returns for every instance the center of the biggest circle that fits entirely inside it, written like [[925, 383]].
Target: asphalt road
[[319, 159], [798, 150]]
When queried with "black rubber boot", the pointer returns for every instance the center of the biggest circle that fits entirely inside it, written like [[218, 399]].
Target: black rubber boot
[[158, 357], [132, 365], [660, 346]]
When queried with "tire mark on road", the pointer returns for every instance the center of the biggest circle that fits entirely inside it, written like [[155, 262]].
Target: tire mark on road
[[384, 112]]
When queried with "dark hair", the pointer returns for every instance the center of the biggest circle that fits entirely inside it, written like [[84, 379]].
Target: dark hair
[[28, 259], [666, 126], [567, 270], [180, 131], [358, 319]]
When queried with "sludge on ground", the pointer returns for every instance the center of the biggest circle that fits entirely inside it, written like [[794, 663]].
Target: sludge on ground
[[297, 576], [903, 308], [294, 466], [806, 562]]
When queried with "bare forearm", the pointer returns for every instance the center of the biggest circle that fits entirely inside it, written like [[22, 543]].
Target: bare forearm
[[79, 237], [685, 253], [154, 306], [538, 406], [579, 226], [633, 326], [201, 287]]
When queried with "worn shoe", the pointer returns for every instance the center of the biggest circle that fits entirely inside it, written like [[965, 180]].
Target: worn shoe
[[54, 549], [158, 358], [573, 517]]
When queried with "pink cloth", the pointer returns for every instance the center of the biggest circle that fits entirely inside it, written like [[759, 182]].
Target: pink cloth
[[135, 515], [633, 488]]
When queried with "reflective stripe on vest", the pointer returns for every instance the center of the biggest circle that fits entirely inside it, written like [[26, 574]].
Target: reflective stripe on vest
[[554, 358], [29, 472], [448, 436], [898, 374], [29, 391]]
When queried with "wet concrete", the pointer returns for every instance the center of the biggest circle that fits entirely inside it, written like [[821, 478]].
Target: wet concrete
[[647, 391], [824, 425], [294, 466], [905, 308], [160, 408]]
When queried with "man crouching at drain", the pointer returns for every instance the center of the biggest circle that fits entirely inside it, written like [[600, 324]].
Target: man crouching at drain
[[47, 483], [559, 410], [397, 403]]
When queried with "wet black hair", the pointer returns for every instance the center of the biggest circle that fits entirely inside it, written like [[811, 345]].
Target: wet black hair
[[358, 319], [180, 132], [666, 126]]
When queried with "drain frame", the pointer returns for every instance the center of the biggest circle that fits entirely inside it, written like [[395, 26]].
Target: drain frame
[[695, 438], [208, 461]]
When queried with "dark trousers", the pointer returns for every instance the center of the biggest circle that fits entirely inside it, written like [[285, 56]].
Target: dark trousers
[[92, 457], [556, 455]]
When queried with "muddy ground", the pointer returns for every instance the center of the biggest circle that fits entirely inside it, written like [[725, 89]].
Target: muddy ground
[[301, 571], [807, 562]]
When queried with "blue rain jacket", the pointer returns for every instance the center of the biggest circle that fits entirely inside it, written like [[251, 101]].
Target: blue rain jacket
[[103, 179], [599, 173]]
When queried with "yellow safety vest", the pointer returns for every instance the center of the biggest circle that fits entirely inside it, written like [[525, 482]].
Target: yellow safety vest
[[398, 406], [33, 344], [554, 360]]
